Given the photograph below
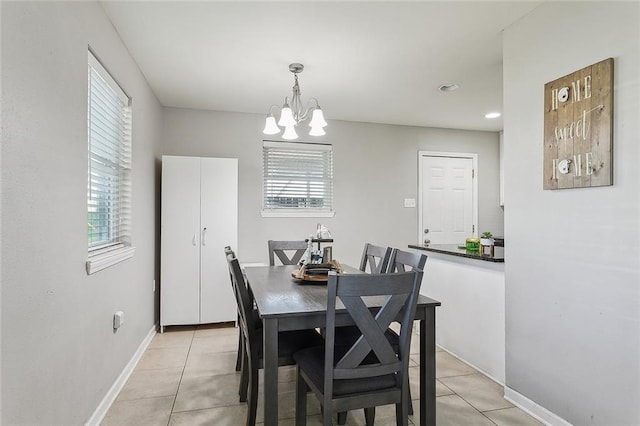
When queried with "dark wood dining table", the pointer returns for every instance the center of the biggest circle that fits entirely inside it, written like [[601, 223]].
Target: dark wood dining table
[[285, 303]]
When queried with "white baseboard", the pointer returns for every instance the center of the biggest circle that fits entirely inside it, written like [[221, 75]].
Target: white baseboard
[[110, 397], [475, 367], [533, 409]]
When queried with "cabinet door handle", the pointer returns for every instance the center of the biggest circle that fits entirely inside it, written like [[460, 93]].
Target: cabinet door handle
[[194, 240], [204, 236]]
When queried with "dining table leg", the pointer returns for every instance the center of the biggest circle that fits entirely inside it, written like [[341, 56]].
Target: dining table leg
[[428, 368], [270, 364]]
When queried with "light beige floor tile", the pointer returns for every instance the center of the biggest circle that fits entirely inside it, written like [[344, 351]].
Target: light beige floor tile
[[385, 416], [286, 406], [511, 417], [212, 343], [479, 391], [222, 416], [200, 392], [447, 366], [163, 358], [140, 412], [209, 381], [151, 383], [216, 329], [415, 342], [210, 364], [414, 382], [451, 410], [173, 337], [286, 373]]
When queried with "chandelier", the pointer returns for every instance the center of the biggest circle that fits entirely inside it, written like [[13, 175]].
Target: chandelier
[[293, 113]]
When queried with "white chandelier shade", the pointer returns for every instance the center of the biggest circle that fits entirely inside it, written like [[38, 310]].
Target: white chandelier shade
[[293, 113]]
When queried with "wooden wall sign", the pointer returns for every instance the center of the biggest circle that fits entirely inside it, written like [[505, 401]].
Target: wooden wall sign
[[578, 128]]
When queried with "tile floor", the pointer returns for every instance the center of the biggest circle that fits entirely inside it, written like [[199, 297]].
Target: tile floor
[[187, 377]]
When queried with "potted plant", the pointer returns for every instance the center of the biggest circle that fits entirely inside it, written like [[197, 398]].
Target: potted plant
[[486, 239]]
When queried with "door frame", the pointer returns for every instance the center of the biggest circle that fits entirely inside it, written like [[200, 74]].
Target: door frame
[[474, 187]]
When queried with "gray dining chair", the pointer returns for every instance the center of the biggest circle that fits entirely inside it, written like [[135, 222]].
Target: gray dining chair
[[288, 252], [399, 261], [376, 258], [369, 372], [402, 261], [288, 341], [228, 251]]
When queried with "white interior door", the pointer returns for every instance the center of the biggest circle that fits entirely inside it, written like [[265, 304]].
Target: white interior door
[[448, 209], [180, 241], [219, 228]]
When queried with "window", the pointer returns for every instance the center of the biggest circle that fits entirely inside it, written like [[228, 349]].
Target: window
[[298, 179], [109, 170]]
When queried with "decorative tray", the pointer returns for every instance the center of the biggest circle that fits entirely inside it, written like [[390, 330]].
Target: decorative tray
[[318, 272]]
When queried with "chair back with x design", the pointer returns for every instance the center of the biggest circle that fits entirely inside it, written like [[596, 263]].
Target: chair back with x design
[[371, 357], [288, 252], [376, 257], [402, 261]]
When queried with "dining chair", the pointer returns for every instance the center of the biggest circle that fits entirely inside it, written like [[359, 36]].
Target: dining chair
[[369, 372], [288, 341], [376, 257], [228, 251], [288, 252], [377, 260], [402, 261]]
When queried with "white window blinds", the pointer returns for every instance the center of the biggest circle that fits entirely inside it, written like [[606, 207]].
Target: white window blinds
[[298, 177], [109, 177]]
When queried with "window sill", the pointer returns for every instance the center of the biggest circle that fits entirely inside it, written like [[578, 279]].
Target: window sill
[[266, 213], [110, 256]]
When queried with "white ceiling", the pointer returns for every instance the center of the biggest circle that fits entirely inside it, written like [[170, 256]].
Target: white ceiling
[[379, 62]]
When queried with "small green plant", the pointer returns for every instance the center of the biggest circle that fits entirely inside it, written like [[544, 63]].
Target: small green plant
[[487, 234]]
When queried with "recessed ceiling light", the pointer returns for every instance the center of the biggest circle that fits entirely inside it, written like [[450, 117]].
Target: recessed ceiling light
[[492, 115], [448, 87]]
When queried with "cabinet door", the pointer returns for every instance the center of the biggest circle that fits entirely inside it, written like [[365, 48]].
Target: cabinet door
[[180, 241], [219, 228]]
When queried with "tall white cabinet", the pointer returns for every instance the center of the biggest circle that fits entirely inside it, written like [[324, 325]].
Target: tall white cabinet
[[199, 218]]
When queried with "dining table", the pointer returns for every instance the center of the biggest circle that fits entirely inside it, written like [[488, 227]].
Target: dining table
[[286, 303]]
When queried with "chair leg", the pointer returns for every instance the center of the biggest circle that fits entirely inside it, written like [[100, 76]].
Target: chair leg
[[369, 415], [342, 417], [244, 378], [252, 402], [326, 417], [301, 399], [402, 413]]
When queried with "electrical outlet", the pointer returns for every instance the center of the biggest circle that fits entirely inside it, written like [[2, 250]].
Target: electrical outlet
[[118, 320]]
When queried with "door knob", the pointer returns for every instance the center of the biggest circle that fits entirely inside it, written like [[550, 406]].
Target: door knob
[[426, 241]]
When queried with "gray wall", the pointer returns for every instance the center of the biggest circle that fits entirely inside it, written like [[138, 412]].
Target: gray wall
[[573, 265], [59, 352], [375, 168]]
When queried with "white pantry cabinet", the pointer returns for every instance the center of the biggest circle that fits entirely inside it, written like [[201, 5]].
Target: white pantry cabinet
[[199, 218]]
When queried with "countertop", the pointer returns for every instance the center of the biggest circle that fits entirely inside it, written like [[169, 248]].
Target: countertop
[[452, 249]]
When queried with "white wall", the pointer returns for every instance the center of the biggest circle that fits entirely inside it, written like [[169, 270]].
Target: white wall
[[375, 168], [573, 260], [60, 354], [470, 321]]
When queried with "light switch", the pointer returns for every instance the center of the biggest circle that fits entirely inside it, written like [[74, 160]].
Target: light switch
[[409, 202]]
